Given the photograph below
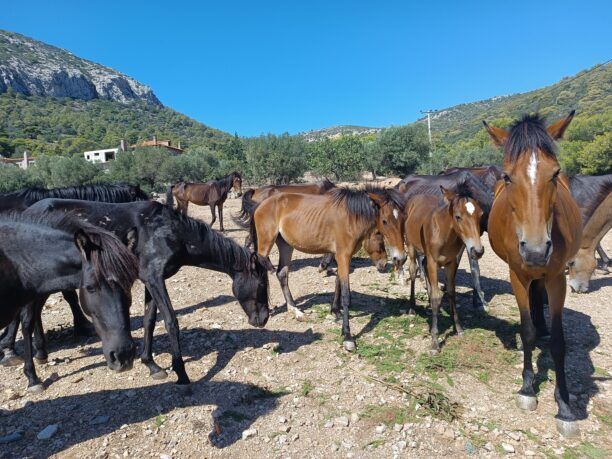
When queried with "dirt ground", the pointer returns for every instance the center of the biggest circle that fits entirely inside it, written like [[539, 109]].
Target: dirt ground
[[290, 390]]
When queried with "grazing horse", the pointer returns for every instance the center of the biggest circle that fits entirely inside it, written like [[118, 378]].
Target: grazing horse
[[535, 227], [40, 255], [430, 184], [489, 175], [164, 240], [593, 195], [212, 193], [22, 199], [374, 245], [440, 231], [335, 222]]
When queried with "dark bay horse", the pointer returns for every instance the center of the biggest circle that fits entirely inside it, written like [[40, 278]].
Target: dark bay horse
[[440, 231], [430, 184], [335, 222], [212, 193], [43, 254], [489, 175], [22, 199], [593, 194], [535, 227], [374, 245], [164, 240]]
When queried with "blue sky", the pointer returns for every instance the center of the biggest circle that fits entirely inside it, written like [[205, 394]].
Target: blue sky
[[256, 67]]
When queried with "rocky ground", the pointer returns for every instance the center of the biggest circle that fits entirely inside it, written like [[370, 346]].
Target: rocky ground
[[290, 390]]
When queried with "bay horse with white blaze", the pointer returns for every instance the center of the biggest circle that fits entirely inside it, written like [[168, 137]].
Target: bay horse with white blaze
[[440, 231], [212, 193], [335, 222], [535, 227]]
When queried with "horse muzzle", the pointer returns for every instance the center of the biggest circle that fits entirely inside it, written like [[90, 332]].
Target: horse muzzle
[[476, 252], [121, 358], [536, 254]]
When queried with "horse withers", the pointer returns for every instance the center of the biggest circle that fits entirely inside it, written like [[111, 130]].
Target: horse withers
[[335, 222], [535, 227], [69, 254], [212, 193], [440, 231]]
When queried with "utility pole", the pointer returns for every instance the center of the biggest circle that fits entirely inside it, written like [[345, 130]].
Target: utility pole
[[429, 112]]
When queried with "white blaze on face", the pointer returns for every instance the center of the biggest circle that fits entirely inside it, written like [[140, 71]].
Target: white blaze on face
[[532, 169], [396, 213], [470, 207]]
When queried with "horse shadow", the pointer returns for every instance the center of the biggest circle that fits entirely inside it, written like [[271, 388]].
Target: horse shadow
[[238, 406], [599, 283], [313, 262]]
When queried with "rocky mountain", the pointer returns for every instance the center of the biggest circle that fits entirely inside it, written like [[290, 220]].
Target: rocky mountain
[[337, 131], [34, 68]]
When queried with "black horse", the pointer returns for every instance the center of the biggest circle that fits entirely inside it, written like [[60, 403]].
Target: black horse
[[24, 198], [43, 254], [164, 241], [430, 184]]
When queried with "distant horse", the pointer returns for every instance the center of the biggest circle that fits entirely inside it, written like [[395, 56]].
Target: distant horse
[[40, 255], [164, 241], [535, 227], [212, 193], [374, 245], [335, 222], [489, 175], [430, 184], [440, 231], [593, 195]]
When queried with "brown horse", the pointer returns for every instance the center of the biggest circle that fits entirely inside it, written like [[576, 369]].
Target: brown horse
[[336, 222], [440, 232], [212, 193], [374, 245], [535, 227]]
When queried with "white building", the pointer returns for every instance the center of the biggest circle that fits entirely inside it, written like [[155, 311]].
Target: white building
[[101, 156]]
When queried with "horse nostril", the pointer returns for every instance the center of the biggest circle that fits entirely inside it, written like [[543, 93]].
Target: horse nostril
[[523, 243], [548, 243], [112, 356]]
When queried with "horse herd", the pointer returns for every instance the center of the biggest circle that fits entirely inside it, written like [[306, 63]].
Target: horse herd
[[99, 239]]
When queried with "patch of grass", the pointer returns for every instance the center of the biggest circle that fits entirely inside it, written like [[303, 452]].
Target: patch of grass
[[320, 311], [602, 372], [586, 449], [159, 420], [375, 443], [387, 414], [307, 388], [605, 419], [421, 296]]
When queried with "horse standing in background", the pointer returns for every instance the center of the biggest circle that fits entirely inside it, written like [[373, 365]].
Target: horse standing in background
[[535, 227], [212, 193]]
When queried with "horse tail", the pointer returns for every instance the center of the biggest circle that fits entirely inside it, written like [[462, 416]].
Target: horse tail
[[245, 216], [170, 196]]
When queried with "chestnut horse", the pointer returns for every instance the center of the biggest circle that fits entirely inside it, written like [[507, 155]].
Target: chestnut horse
[[336, 222], [535, 227], [212, 193], [374, 245], [440, 232]]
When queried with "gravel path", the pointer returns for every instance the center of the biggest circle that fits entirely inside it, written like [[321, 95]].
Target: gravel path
[[290, 390]]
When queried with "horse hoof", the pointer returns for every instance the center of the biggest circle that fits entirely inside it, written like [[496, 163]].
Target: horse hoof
[[11, 361], [459, 333], [159, 375], [526, 402], [299, 315], [569, 429], [36, 389], [42, 361], [434, 351], [350, 346]]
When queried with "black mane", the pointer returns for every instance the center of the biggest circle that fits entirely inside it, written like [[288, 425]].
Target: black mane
[[357, 202], [100, 192], [526, 135], [327, 184]]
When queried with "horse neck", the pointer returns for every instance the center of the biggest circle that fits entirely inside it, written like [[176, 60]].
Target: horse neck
[[442, 218], [209, 251], [225, 183]]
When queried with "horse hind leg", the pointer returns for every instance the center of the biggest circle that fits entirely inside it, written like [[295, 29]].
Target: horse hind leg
[[477, 293], [214, 215], [451, 272], [607, 263], [7, 345], [285, 252], [27, 322]]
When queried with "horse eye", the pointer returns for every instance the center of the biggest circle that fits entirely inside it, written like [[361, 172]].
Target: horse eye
[[556, 175], [571, 263], [506, 178], [384, 222], [458, 217]]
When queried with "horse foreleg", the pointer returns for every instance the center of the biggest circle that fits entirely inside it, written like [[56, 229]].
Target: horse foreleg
[[451, 273], [40, 341], [477, 293], [537, 299], [214, 215], [157, 288], [337, 303], [525, 399], [27, 323], [435, 299], [82, 325], [7, 345], [285, 251], [150, 317], [220, 207], [344, 261]]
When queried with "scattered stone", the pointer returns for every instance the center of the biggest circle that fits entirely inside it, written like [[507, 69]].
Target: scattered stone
[[508, 448], [380, 429], [99, 420], [15, 436], [329, 424], [413, 444], [354, 418], [470, 448], [165, 456], [529, 453], [342, 421], [516, 436], [281, 439], [249, 433], [295, 437], [401, 445], [11, 394], [488, 446], [398, 427], [282, 419], [48, 432]]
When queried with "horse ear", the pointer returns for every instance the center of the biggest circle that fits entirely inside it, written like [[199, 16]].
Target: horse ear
[[378, 202], [448, 194], [131, 239], [498, 135], [84, 244], [557, 129]]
